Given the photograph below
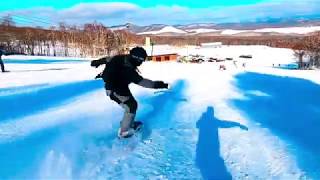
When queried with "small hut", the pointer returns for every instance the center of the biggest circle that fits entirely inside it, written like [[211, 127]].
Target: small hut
[[163, 57]]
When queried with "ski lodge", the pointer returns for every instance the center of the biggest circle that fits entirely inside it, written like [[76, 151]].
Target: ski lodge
[[163, 57]]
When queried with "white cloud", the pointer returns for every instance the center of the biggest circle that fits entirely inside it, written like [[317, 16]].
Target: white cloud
[[119, 13], [98, 10]]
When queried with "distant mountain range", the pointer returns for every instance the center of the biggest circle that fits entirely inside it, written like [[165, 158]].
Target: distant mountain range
[[253, 28]]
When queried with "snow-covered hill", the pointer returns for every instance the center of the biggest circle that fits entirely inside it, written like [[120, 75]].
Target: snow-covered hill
[[256, 122], [248, 26], [202, 30], [294, 30], [284, 31], [167, 29]]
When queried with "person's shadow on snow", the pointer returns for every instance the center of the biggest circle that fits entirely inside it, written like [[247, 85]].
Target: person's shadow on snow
[[208, 158]]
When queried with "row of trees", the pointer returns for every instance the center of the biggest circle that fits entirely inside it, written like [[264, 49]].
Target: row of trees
[[308, 47], [273, 41], [95, 40], [92, 39]]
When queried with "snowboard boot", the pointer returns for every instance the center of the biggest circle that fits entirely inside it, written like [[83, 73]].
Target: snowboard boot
[[126, 134], [136, 126]]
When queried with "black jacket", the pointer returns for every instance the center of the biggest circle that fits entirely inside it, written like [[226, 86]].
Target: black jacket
[[119, 73]]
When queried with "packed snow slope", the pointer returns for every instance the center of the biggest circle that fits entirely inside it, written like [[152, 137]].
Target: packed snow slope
[[256, 122]]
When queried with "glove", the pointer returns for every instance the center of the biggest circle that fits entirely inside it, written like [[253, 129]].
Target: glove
[[98, 76], [97, 63], [160, 85]]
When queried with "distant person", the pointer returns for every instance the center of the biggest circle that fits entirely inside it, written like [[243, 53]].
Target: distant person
[[244, 65], [235, 64], [120, 71], [1, 62], [222, 67]]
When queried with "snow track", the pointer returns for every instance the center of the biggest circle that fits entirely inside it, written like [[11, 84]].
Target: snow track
[[209, 125]]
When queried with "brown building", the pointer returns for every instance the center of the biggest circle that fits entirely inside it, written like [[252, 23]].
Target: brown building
[[163, 57]]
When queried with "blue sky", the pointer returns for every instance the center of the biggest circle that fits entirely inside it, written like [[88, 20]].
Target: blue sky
[[144, 12], [22, 4]]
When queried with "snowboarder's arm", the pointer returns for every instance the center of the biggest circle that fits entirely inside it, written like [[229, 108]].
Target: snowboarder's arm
[[153, 84], [97, 63]]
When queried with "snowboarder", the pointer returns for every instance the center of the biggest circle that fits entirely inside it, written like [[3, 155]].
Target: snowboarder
[[120, 71]]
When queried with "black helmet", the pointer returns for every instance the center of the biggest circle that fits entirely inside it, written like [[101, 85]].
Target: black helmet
[[138, 55]]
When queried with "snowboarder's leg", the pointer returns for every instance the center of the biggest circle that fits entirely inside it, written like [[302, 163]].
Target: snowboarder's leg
[[130, 105]]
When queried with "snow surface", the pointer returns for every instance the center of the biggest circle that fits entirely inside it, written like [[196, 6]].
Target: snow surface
[[256, 122]]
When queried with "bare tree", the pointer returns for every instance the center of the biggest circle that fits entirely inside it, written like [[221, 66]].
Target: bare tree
[[64, 37], [52, 38], [312, 45], [29, 41], [299, 52]]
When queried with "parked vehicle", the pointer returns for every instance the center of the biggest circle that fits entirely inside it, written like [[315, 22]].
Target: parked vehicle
[[211, 59], [246, 56]]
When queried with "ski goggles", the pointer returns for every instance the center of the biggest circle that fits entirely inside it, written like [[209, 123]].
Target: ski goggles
[[138, 58]]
